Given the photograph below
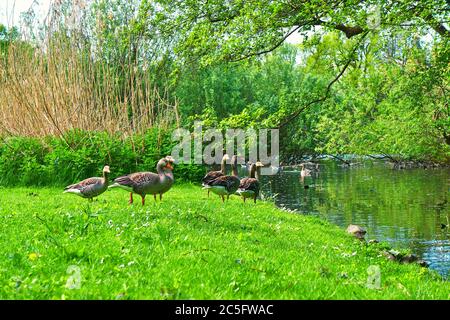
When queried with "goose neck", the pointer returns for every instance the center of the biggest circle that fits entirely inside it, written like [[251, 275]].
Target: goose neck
[[252, 170], [222, 165], [258, 173], [106, 177]]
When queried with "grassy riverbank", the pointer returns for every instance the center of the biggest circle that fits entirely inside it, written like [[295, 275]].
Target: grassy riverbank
[[186, 247]]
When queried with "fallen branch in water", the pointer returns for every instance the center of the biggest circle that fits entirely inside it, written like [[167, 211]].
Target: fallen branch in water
[[340, 159]]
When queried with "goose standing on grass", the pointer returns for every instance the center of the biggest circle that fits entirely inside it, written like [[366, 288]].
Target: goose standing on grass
[[225, 185], [249, 187], [144, 183], [90, 187], [210, 176]]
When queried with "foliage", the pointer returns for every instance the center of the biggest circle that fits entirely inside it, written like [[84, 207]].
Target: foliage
[[392, 107], [397, 107], [215, 30], [81, 154], [6, 38]]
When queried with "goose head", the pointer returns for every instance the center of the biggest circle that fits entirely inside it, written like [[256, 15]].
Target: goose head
[[106, 172], [168, 162], [165, 164]]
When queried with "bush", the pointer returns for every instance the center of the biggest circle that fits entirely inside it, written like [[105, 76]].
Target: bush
[[81, 154]]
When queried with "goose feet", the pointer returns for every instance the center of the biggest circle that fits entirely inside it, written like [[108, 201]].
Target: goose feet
[[131, 198], [160, 197]]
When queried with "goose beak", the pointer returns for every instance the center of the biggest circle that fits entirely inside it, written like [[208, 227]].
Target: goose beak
[[169, 166]]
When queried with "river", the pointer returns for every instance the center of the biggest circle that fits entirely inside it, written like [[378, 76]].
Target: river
[[407, 208]]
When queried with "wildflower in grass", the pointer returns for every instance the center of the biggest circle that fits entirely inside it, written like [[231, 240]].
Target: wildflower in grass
[[33, 256]]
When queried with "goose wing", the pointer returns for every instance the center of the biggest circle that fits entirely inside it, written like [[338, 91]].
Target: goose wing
[[249, 184], [210, 176], [137, 179], [89, 182], [231, 183]]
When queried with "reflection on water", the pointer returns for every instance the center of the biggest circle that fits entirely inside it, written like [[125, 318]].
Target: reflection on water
[[407, 208]]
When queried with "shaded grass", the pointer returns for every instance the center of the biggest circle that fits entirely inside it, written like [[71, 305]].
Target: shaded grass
[[187, 247]]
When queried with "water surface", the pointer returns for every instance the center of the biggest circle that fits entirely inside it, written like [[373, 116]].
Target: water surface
[[406, 208]]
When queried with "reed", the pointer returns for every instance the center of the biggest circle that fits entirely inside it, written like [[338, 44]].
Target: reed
[[51, 89]]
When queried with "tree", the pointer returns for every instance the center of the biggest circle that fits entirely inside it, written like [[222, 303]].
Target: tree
[[215, 30], [236, 30]]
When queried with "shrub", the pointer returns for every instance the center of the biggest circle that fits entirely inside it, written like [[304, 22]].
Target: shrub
[[80, 154]]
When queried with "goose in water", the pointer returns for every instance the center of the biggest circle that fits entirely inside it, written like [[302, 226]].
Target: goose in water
[[249, 187], [304, 172], [225, 185], [144, 183], [212, 175], [90, 187]]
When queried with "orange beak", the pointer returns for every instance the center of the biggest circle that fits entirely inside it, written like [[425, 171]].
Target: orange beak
[[169, 166]]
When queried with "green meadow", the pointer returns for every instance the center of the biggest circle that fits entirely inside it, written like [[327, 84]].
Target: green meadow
[[187, 247]]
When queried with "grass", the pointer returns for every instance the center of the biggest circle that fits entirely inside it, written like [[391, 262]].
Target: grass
[[187, 247]]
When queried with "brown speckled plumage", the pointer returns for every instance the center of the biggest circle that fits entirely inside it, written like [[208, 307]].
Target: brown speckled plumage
[[231, 183], [249, 187], [225, 185], [213, 175], [91, 187], [144, 183]]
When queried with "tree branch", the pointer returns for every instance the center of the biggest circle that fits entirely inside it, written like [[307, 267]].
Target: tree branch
[[279, 43], [437, 26], [327, 91], [348, 163], [349, 31]]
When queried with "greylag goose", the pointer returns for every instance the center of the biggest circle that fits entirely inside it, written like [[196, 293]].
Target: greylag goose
[[91, 187], [144, 183], [304, 172], [225, 185], [210, 176], [249, 187]]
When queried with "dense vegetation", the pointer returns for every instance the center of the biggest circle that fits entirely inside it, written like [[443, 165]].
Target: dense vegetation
[[187, 247], [79, 154], [365, 78]]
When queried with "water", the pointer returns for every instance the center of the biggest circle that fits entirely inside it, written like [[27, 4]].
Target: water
[[403, 207]]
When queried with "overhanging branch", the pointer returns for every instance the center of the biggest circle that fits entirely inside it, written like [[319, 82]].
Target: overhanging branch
[[327, 91], [279, 43], [437, 26], [349, 31]]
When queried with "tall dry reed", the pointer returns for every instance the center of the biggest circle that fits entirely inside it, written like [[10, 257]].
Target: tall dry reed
[[48, 91]]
